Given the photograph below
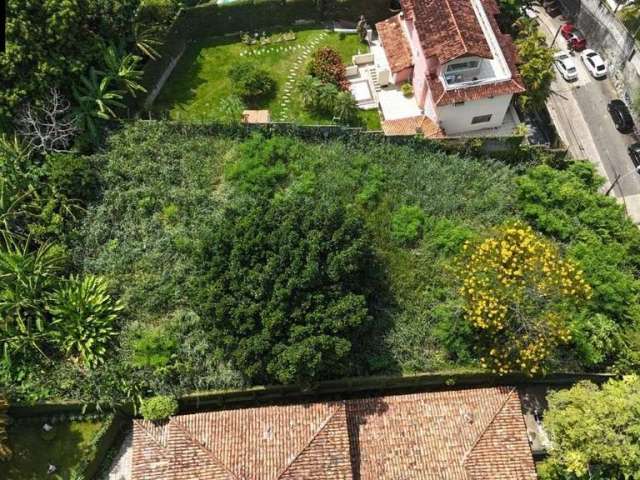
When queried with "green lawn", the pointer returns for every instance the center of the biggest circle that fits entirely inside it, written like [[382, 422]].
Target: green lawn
[[199, 81], [32, 454]]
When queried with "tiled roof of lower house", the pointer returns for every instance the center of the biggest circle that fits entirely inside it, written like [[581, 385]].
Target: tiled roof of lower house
[[395, 43], [419, 125], [475, 434]]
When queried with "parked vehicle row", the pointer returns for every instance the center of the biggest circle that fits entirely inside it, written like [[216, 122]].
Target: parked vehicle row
[[591, 59], [623, 121]]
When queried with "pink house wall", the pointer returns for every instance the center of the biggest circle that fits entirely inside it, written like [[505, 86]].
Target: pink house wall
[[419, 65]]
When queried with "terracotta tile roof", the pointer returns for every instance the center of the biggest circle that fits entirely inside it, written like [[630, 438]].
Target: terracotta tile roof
[[395, 43], [508, 87], [476, 434], [447, 29], [412, 126], [256, 116]]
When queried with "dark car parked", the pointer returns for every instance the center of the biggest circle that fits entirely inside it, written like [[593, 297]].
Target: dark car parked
[[574, 37], [621, 116], [634, 153], [552, 8]]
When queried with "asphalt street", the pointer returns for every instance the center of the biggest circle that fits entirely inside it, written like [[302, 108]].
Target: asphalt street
[[579, 110]]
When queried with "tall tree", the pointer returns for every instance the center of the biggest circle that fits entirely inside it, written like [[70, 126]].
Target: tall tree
[[595, 431], [285, 288]]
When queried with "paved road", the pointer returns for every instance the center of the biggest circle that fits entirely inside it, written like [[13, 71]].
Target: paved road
[[579, 110]]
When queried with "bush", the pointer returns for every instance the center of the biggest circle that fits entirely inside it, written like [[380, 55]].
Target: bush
[[157, 12], [407, 89], [158, 408], [250, 82], [327, 66], [594, 431], [407, 224], [152, 347], [286, 286]]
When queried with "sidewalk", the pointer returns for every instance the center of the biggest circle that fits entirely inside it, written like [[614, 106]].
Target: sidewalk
[[571, 124]]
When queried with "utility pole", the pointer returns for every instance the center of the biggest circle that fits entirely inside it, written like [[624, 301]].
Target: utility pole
[[620, 177]]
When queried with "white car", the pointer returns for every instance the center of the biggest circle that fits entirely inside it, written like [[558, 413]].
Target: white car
[[566, 66], [595, 64]]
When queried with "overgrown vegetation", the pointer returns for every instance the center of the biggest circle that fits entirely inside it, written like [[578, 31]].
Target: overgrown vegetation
[[594, 431], [272, 259]]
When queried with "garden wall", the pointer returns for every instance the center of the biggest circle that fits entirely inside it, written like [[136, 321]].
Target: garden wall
[[608, 35], [343, 388]]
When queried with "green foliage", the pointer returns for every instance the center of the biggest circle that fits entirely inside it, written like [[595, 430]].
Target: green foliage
[[324, 98], [123, 69], [286, 282], [152, 347], [566, 204], [27, 278], [158, 408], [53, 43], [262, 164], [407, 224], [5, 449], [407, 89], [230, 109], [536, 65], [85, 316], [251, 82], [97, 100], [594, 431], [157, 12]]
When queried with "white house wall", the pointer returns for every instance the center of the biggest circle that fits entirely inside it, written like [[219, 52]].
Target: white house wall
[[457, 118]]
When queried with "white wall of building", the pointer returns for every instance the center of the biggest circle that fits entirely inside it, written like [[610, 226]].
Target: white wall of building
[[458, 118]]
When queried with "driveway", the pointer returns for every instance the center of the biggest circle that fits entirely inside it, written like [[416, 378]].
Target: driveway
[[579, 111]]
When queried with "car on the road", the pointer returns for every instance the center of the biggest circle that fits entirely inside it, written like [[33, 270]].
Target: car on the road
[[552, 8], [595, 64], [620, 115], [634, 153], [566, 66], [573, 36]]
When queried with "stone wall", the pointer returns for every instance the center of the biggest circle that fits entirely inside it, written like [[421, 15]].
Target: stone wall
[[607, 35]]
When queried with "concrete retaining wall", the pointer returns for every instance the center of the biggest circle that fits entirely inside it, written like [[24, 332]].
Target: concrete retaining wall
[[154, 91], [606, 34]]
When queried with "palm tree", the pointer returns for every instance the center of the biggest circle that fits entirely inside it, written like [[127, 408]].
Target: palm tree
[[123, 69], [96, 101]]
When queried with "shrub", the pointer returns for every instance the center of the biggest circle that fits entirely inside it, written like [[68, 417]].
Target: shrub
[[407, 89], [152, 347], [594, 431], [157, 12], [407, 224], [250, 82], [327, 66], [345, 108], [519, 296], [85, 317], [286, 288], [158, 408]]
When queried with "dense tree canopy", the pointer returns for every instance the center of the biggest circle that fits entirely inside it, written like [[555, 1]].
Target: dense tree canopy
[[595, 431], [51, 43], [286, 294]]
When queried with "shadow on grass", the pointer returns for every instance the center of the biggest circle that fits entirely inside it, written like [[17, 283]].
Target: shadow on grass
[[34, 450]]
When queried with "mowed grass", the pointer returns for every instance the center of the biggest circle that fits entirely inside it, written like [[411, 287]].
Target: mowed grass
[[70, 443], [200, 80]]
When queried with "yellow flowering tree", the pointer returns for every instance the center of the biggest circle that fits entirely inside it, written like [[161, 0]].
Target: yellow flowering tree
[[518, 295]]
